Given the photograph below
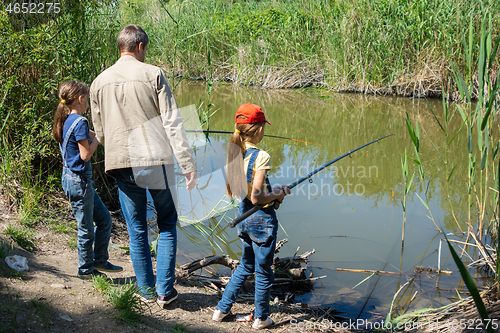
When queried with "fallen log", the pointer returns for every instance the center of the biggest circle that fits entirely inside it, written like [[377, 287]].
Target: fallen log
[[210, 260]]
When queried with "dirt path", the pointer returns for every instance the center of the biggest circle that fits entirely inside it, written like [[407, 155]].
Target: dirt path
[[50, 298]]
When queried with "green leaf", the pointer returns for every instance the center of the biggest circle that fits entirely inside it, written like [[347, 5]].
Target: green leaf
[[469, 140], [408, 187], [469, 50], [496, 150], [482, 63], [451, 173], [493, 95], [492, 54], [479, 139], [209, 56], [483, 158], [411, 131], [462, 113], [423, 202], [471, 286], [462, 87], [364, 280], [404, 167], [444, 108]]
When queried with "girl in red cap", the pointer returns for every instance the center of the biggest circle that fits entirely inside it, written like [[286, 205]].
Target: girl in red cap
[[247, 168]]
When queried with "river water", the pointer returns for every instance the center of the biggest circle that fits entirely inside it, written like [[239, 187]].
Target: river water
[[351, 213]]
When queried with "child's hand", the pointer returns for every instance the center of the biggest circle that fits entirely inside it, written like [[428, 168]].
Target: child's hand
[[286, 189], [280, 193], [92, 135]]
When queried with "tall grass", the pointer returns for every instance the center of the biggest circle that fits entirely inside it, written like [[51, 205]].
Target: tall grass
[[385, 46]]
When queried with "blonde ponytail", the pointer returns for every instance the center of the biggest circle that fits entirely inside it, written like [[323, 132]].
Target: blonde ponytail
[[236, 184]]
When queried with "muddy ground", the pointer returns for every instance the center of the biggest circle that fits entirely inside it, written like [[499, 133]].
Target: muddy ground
[[50, 298]]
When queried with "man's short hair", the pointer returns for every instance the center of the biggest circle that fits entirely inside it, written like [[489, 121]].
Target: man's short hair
[[130, 36]]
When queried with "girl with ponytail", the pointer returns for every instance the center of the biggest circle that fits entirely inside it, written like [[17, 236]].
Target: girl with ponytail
[[246, 176], [77, 144]]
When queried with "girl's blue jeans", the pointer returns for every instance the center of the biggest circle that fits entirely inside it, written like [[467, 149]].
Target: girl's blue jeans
[[88, 209], [258, 237], [133, 201]]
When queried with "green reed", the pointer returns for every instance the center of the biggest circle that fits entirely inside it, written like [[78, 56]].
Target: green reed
[[480, 80], [351, 45]]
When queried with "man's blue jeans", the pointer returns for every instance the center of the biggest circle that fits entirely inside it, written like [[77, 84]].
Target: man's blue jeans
[[133, 201], [258, 238], [88, 208]]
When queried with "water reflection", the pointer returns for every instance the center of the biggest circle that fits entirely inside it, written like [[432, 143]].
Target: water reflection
[[351, 213]]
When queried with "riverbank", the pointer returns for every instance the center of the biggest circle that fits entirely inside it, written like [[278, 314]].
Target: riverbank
[[376, 47]]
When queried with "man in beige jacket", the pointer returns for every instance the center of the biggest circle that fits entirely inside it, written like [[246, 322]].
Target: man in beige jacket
[[136, 118]]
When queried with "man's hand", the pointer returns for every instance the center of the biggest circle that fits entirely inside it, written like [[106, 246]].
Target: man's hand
[[190, 180]]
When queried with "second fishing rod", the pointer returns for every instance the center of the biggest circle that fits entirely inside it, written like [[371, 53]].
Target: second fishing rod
[[249, 212]]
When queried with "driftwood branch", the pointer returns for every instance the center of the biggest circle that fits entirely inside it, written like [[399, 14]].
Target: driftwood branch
[[280, 244], [211, 260], [290, 276]]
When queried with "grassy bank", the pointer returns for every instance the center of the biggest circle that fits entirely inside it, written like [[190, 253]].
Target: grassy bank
[[385, 46]]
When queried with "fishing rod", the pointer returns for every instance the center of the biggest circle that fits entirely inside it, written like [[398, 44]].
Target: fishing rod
[[227, 132], [246, 214]]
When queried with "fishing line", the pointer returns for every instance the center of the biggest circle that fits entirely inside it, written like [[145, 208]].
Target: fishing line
[[227, 132]]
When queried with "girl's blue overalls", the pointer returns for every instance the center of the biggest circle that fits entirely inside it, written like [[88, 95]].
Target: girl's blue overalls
[[87, 208], [258, 237]]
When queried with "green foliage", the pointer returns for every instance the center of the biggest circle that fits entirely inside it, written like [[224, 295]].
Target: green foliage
[[61, 228], [481, 53], [471, 286], [129, 307], [38, 53], [72, 242], [384, 42], [102, 284], [178, 328], [22, 237]]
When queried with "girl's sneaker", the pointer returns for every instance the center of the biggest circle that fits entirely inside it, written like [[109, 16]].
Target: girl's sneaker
[[89, 276], [218, 315], [145, 299], [260, 324], [163, 301]]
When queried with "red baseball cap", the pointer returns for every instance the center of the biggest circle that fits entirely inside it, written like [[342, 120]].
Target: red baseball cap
[[253, 114]]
